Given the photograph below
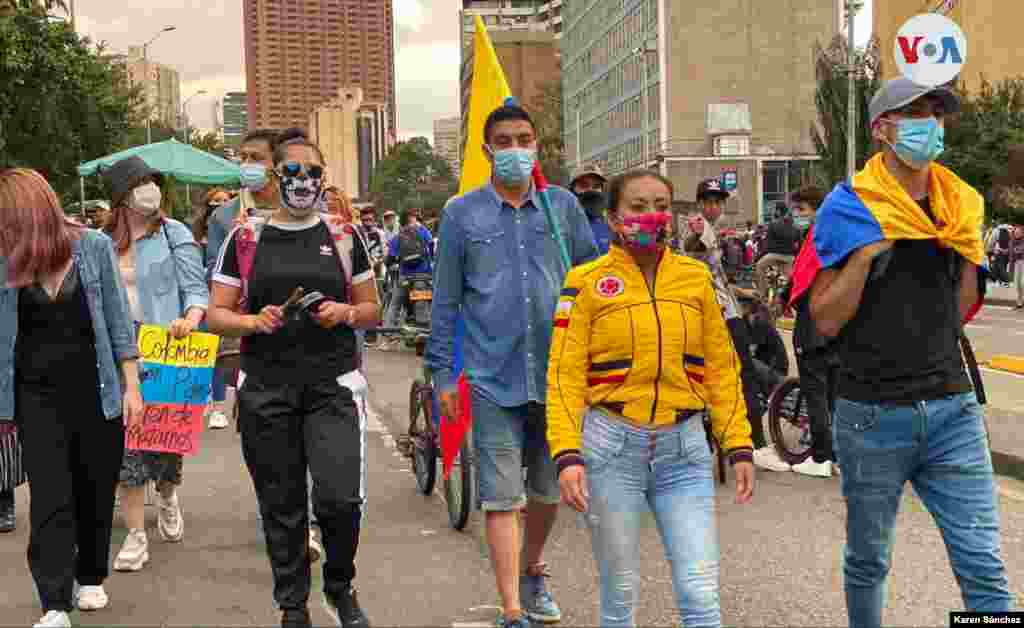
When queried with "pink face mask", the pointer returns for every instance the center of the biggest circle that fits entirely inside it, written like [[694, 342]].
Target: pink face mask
[[646, 231]]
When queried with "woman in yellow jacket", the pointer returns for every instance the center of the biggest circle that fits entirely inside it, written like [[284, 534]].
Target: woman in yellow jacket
[[640, 357]]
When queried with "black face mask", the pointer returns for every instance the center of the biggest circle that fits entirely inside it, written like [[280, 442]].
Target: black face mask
[[593, 201]]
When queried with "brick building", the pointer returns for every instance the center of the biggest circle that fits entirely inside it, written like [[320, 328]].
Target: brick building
[[299, 53]]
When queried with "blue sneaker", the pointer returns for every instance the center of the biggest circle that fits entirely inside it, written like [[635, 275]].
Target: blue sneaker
[[537, 603], [519, 622]]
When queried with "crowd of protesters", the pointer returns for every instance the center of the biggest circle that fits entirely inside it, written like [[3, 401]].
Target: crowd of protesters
[[612, 424]]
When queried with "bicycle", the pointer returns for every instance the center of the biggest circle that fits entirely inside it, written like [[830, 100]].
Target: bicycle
[[789, 422], [422, 446], [776, 282]]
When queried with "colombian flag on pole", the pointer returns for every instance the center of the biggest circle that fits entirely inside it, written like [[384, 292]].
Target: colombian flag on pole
[[876, 207], [488, 92]]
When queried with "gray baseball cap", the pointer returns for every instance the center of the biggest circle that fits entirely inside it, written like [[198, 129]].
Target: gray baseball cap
[[902, 91]]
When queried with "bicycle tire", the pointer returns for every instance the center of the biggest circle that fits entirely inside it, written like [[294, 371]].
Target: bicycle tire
[[424, 450], [460, 487], [780, 417]]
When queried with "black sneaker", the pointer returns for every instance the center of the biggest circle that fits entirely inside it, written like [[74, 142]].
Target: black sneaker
[[344, 609], [296, 618], [7, 519]]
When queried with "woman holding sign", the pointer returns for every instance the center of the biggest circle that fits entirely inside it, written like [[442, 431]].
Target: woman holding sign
[[162, 269], [66, 347], [305, 284]]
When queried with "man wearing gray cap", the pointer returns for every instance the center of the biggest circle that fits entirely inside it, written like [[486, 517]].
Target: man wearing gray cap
[[894, 277]]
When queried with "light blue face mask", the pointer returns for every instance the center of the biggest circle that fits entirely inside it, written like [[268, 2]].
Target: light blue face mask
[[802, 222], [253, 176], [919, 141], [513, 166]]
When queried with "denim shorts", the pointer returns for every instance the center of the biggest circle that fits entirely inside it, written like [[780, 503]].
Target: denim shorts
[[506, 440]]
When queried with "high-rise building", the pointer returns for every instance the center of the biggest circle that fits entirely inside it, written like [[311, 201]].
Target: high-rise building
[[447, 141], [517, 28], [696, 89], [988, 26], [235, 116], [298, 53], [161, 86], [352, 133]]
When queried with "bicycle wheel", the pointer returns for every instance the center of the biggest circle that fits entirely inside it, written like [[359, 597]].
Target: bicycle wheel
[[460, 487], [421, 436], [789, 423]]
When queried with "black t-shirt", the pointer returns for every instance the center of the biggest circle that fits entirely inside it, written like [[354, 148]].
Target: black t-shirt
[[289, 256], [903, 344]]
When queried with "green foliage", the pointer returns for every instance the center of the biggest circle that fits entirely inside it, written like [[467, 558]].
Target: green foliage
[[412, 175], [546, 112], [830, 133], [62, 102], [979, 141]]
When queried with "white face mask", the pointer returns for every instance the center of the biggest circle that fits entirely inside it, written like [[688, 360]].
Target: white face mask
[[146, 199]]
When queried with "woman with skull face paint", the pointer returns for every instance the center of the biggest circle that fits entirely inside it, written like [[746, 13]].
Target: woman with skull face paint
[[627, 410], [162, 269], [299, 403]]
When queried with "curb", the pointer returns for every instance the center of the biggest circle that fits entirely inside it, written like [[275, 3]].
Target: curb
[[1008, 465], [1001, 302]]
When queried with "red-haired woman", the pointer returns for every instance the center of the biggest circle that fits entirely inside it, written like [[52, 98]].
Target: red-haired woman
[[67, 355]]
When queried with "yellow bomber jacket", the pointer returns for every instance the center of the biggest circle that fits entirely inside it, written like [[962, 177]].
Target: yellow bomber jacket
[[649, 351]]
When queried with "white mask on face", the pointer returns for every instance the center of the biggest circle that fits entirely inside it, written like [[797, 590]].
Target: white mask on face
[[146, 199]]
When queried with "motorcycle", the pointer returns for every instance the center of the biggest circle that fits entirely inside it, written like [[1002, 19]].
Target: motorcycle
[[415, 332]]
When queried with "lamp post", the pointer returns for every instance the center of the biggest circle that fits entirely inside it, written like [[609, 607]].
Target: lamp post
[[184, 115], [641, 53], [852, 8], [145, 65]]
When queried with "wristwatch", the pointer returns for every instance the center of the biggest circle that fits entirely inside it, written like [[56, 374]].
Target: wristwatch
[[352, 316]]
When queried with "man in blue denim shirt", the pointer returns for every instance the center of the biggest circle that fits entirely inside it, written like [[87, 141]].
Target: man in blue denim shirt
[[499, 262]]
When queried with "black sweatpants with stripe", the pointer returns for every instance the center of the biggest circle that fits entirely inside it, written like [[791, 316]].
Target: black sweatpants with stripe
[[287, 428]]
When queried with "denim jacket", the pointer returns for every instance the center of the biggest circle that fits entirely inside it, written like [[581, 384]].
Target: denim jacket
[[111, 322], [169, 285]]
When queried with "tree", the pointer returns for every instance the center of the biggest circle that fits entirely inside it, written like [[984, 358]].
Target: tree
[[979, 140], [412, 175], [62, 103], [209, 142], [831, 131], [547, 115]]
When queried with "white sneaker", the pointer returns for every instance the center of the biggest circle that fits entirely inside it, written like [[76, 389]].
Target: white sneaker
[[768, 459], [54, 619], [92, 598], [218, 420], [134, 553], [814, 469], [316, 550], [169, 522]]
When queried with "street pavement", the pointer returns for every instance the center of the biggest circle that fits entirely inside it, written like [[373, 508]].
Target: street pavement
[[781, 555]]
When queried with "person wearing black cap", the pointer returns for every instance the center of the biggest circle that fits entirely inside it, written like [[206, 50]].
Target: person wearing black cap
[[703, 243], [897, 252], [588, 186], [162, 269]]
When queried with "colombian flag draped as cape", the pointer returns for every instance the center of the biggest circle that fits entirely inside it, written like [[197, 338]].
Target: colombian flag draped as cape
[[876, 207]]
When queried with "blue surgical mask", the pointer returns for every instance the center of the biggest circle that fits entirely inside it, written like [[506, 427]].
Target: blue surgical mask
[[802, 222], [513, 166], [254, 176], [919, 141]]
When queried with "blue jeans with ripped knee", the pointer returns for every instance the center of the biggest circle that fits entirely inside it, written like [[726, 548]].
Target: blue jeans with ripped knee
[[668, 472]]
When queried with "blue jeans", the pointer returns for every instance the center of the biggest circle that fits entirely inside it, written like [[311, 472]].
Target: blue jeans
[[630, 470], [220, 385], [506, 440], [941, 448]]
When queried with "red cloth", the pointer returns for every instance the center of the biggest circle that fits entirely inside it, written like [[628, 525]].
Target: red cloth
[[453, 431], [805, 268]]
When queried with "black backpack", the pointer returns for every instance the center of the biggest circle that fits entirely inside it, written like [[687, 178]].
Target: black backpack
[[411, 247]]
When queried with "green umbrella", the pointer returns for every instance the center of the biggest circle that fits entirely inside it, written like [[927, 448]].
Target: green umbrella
[[185, 163]]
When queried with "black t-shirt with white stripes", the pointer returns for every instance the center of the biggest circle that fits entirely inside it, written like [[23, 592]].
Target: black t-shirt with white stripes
[[289, 256]]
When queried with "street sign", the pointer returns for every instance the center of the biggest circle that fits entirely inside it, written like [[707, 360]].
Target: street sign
[[930, 49]]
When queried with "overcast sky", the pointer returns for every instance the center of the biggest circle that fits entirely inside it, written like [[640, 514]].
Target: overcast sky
[[208, 52]]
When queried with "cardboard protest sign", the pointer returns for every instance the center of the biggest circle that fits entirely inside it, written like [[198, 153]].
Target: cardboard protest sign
[[176, 376]]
